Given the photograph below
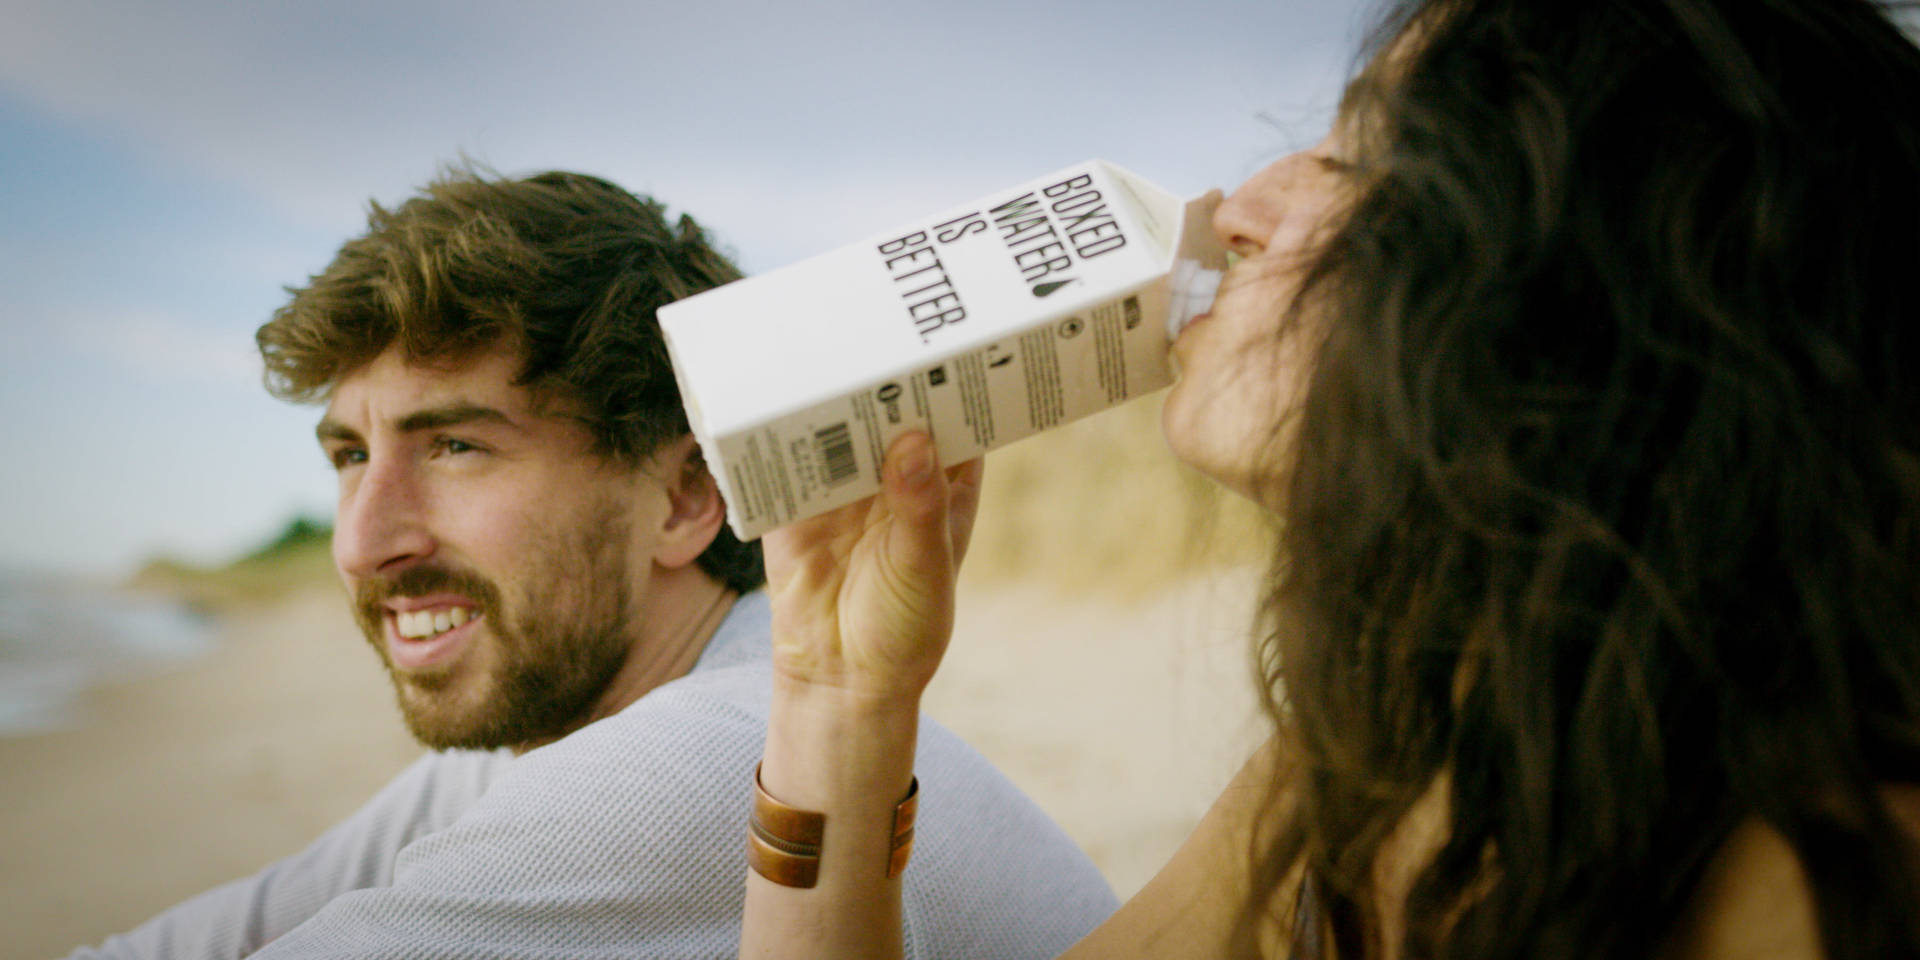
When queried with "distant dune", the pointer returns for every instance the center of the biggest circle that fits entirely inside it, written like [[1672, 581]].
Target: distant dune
[[1097, 507], [1101, 507], [296, 560]]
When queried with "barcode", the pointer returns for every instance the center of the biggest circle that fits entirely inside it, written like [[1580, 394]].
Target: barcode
[[834, 446]]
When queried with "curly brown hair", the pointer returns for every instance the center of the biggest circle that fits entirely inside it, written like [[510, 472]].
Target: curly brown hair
[[564, 268]]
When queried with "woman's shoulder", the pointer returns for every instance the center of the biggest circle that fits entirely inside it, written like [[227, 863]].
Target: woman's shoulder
[[1754, 900]]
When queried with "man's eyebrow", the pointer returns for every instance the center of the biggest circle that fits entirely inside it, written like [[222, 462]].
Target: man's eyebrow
[[329, 429], [432, 418]]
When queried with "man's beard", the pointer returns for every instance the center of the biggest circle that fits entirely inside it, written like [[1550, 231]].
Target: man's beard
[[556, 649]]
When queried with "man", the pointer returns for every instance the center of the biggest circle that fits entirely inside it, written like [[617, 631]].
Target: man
[[534, 547]]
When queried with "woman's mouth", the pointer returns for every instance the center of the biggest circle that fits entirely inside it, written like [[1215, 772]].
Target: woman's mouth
[[1194, 320], [1190, 295]]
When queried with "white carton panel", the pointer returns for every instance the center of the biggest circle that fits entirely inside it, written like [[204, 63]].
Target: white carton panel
[[982, 324]]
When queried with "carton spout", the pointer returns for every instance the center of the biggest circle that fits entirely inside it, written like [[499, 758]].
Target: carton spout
[[1192, 287], [1198, 264]]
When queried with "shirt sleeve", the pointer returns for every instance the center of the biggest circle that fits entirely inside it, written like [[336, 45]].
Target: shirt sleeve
[[235, 919], [627, 839], [623, 839]]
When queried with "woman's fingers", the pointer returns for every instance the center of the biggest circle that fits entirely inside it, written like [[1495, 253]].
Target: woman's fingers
[[863, 595], [919, 550], [963, 504], [806, 548]]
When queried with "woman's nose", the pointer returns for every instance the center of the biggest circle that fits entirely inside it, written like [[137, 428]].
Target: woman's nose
[[1247, 218]]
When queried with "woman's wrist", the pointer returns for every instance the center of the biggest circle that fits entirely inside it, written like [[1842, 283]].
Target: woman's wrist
[[834, 746], [845, 758]]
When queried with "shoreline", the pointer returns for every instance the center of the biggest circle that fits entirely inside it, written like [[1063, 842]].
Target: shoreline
[[192, 774]]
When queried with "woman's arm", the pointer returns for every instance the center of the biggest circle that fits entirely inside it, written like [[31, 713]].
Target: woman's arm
[[863, 608], [1192, 907]]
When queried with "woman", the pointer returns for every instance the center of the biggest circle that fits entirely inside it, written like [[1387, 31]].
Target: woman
[[1579, 361]]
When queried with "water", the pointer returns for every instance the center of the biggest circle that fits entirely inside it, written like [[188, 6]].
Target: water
[[59, 636]]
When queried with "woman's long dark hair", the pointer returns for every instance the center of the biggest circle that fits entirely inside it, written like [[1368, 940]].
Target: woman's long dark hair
[[1606, 510]]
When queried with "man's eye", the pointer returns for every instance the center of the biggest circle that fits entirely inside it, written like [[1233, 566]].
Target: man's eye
[[451, 445], [345, 457]]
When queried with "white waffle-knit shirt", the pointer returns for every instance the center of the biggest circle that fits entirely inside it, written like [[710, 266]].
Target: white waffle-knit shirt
[[627, 839]]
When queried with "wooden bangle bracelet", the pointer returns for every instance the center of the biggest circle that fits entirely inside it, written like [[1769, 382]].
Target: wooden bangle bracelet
[[783, 842]]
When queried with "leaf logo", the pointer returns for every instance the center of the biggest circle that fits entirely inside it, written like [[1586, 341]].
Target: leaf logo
[[1051, 287]]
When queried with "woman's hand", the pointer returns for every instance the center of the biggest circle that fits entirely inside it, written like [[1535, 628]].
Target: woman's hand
[[862, 610], [863, 595]]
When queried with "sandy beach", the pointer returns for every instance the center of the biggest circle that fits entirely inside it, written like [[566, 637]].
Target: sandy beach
[[1096, 678]]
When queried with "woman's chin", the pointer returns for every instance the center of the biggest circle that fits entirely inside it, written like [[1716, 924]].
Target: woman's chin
[[1192, 446], [1218, 458]]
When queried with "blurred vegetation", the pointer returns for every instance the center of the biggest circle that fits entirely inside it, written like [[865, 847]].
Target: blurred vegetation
[[296, 559], [1097, 506], [1101, 506]]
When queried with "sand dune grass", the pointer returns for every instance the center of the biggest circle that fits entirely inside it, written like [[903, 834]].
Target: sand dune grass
[[1100, 507]]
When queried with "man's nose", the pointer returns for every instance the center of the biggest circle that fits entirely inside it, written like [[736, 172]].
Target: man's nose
[[382, 525]]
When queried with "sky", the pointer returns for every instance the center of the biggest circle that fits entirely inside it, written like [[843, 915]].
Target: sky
[[168, 168]]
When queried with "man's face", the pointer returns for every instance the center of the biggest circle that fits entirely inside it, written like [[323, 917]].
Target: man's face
[[493, 559]]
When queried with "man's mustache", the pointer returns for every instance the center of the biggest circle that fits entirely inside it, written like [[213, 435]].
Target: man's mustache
[[371, 596]]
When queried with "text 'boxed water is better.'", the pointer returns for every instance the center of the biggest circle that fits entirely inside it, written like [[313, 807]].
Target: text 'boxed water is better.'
[[984, 324]]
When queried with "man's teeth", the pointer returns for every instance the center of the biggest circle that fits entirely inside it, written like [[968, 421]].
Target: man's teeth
[[426, 623]]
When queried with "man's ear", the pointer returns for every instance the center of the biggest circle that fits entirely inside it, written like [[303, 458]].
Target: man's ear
[[695, 510]]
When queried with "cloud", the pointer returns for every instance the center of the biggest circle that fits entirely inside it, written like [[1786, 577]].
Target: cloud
[[163, 349], [314, 107]]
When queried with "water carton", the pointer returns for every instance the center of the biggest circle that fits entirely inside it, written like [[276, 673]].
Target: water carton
[[982, 324]]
